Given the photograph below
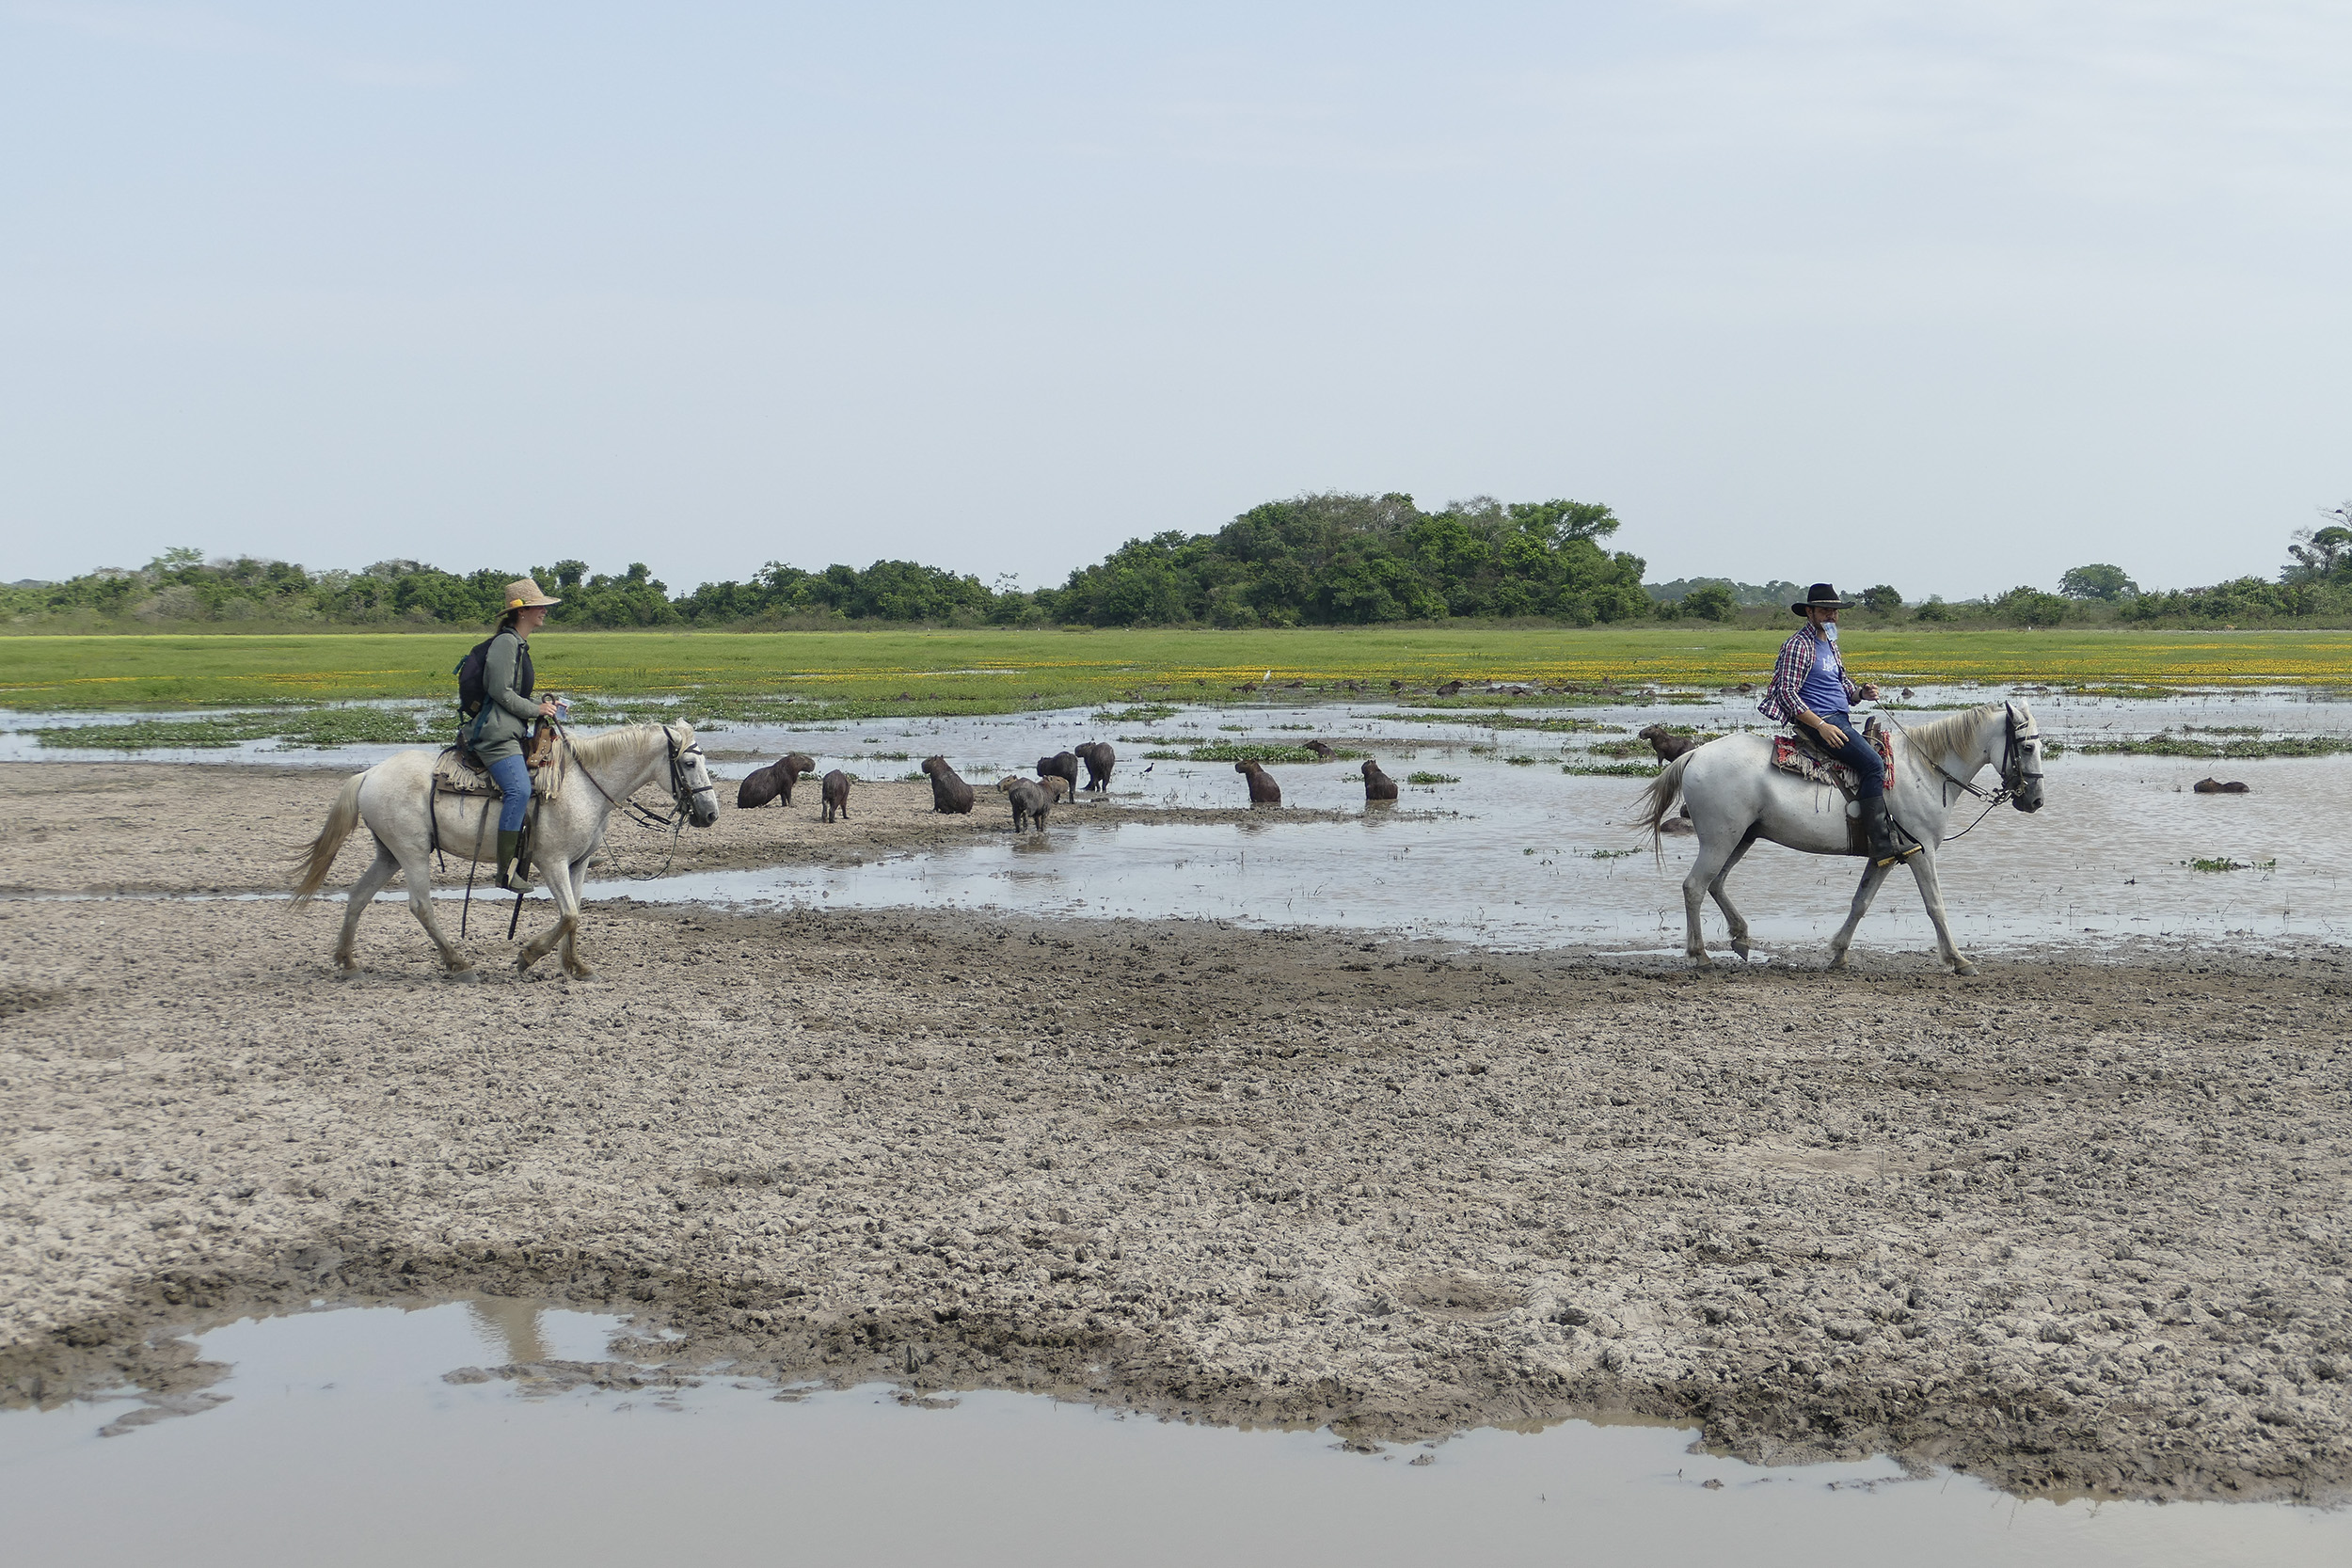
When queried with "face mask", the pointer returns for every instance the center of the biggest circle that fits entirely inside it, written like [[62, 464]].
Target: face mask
[[1829, 630]]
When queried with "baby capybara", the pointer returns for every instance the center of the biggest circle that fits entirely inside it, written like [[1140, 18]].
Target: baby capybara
[[1263, 791], [950, 793], [1031, 800], [1098, 756], [1377, 786], [1667, 746], [836, 790], [1061, 764]]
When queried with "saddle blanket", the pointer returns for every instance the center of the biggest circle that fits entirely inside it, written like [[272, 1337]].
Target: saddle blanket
[[455, 773], [1791, 756]]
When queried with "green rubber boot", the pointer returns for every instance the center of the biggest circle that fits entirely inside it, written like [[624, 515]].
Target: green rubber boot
[[513, 878]]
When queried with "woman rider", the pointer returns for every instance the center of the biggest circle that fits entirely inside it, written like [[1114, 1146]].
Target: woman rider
[[496, 733], [1810, 689]]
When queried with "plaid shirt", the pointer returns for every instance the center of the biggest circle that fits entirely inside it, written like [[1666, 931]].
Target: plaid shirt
[[1781, 702]]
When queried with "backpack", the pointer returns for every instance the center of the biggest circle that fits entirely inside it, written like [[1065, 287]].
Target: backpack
[[471, 692]]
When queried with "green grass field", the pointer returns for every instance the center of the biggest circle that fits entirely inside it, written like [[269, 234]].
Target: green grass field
[[849, 672]]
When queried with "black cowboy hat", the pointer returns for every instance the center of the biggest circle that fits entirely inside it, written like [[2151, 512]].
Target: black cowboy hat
[[1821, 597]]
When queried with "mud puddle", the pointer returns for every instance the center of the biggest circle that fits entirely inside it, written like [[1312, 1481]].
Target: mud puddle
[[493, 1431]]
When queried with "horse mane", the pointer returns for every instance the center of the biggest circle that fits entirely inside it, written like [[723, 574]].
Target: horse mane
[[594, 749], [1939, 736]]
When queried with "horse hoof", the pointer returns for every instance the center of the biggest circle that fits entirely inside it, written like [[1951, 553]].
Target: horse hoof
[[1964, 967], [461, 977]]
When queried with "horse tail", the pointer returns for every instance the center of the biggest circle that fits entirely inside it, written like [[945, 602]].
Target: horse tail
[[319, 859], [1659, 797]]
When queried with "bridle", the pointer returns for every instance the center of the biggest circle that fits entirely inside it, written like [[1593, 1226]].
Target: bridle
[[682, 788], [2017, 749]]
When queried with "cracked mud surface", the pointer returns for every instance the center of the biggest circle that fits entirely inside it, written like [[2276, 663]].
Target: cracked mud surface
[[2074, 1227]]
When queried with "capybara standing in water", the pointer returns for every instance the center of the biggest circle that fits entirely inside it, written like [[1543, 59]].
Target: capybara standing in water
[[1322, 749], [1377, 786], [1098, 756], [2215, 787], [1668, 746], [1263, 791], [1061, 764], [1030, 801], [836, 788], [950, 793]]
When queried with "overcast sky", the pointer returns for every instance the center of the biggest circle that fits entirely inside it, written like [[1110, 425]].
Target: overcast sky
[[1951, 295]]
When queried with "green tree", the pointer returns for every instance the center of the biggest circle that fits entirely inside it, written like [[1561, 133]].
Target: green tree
[[1882, 600], [2105, 583], [1712, 601]]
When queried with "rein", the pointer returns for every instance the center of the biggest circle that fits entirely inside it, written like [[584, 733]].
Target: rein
[[675, 818], [1991, 797]]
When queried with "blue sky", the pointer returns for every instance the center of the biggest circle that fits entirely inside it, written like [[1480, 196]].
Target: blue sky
[[1948, 295]]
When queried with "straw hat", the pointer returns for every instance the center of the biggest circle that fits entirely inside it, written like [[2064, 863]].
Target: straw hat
[[523, 593]]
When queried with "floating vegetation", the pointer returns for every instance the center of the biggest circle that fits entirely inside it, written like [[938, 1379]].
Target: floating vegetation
[[2225, 864], [1149, 713], [314, 727], [1246, 751], [1638, 748], [1614, 769], [2164, 744], [1431, 779], [1501, 720], [1613, 854], [1521, 762]]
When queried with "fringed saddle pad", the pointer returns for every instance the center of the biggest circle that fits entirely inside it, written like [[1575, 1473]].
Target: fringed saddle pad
[[455, 772], [1791, 756]]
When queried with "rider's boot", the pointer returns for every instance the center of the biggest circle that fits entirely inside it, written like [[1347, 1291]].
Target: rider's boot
[[1879, 829], [513, 878]]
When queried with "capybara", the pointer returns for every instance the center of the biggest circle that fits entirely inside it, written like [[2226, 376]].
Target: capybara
[[836, 790], [1061, 764], [1668, 747], [1098, 756], [1057, 789], [2215, 787], [1263, 791], [1030, 801], [1377, 786], [950, 793], [1449, 688], [772, 783], [1322, 749]]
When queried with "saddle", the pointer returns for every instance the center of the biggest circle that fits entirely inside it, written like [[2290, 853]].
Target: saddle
[[1802, 755], [458, 771]]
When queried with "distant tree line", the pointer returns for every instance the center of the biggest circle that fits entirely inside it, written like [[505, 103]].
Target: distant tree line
[[1331, 559]]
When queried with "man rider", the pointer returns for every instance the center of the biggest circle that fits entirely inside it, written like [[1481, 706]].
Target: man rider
[[1811, 689]]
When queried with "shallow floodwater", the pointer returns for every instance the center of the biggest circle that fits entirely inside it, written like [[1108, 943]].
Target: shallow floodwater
[[338, 1440]]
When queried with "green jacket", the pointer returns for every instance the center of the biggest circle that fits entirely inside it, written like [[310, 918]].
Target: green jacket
[[505, 720]]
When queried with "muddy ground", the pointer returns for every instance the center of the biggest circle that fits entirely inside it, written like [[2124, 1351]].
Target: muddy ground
[[2071, 1227]]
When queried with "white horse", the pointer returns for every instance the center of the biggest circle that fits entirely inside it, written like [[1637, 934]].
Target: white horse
[[602, 771], [1737, 795]]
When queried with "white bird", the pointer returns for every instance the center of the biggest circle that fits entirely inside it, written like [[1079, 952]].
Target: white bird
[[1267, 676]]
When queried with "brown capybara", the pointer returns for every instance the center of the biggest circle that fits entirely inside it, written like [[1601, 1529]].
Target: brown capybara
[[1449, 688], [1322, 749], [1263, 791], [1030, 801], [950, 793], [1098, 756], [772, 783], [1061, 764], [836, 791], [1377, 786], [2215, 787], [1667, 746], [1057, 789]]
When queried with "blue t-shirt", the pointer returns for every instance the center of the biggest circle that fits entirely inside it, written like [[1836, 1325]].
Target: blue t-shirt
[[1824, 688]]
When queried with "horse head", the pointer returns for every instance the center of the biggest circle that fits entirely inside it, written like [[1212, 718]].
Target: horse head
[[2021, 757], [690, 776]]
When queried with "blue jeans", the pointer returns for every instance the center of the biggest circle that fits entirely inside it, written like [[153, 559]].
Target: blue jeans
[[1870, 768], [513, 780]]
